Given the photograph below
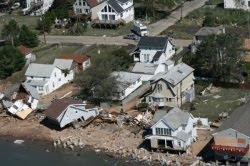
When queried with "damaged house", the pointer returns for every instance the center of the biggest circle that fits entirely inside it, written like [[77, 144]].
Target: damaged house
[[172, 88], [172, 130], [66, 111], [231, 140]]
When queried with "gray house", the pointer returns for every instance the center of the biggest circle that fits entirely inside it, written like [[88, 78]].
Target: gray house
[[203, 32], [172, 130], [65, 111], [172, 88]]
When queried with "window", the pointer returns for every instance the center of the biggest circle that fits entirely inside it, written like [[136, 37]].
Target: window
[[109, 9], [40, 88], [84, 3], [112, 17], [104, 16], [55, 74], [179, 143], [59, 79], [80, 3], [159, 87], [149, 99], [163, 131], [14, 106], [248, 3], [105, 9]]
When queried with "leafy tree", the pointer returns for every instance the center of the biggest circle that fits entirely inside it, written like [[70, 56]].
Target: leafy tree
[[122, 59], [27, 37], [10, 32], [218, 57], [209, 20], [44, 24], [11, 61]]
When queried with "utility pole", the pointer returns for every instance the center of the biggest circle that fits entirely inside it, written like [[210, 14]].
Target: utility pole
[[182, 2], [44, 37], [248, 24]]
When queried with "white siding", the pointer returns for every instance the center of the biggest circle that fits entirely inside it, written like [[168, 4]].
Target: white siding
[[237, 4]]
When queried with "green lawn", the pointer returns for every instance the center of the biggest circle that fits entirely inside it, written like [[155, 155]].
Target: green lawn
[[30, 21], [217, 101], [49, 55], [104, 50]]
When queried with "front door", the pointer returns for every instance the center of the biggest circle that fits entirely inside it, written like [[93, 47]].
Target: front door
[[161, 143]]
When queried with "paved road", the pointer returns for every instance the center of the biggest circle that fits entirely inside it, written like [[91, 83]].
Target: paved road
[[158, 27], [88, 40], [154, 29]]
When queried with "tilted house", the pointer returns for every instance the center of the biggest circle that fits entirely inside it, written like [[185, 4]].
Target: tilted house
[[113, 10], [66, 111], [231, 141], [172, 88], [202, 33], [127, 83], [27, 52], [153, 50], [173, 130], [237, 4], [47, 78]]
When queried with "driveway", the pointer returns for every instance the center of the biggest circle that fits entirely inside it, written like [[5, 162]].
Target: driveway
[[158, 27]]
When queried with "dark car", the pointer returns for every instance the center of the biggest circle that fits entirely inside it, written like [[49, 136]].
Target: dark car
[[131, 36]]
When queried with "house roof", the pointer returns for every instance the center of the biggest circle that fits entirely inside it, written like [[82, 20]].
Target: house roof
[[148, 41], [39, 70], [174, 75], [92, 3], [204, 31], [238, 120], [36, 82], [78, 58], [64, 64], [31, 90], [115, 6], [58, 106], [157, 56], [24, 50], [147, 68], [183, 136], [125, 79], [174, 118], [123, 1]]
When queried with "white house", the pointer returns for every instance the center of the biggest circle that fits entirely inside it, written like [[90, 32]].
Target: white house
[[20, 109], [173, 130], [37, 7], [153, 50], [66, 111], [84, 6], [127, 83], [83, 61], [148, 70], [172, 88], [47, 78], [113, 10], [27, 52], [237, 4]]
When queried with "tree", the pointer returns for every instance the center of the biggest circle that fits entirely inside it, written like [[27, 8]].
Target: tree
[[10, 32], [11, 61], [219, 57], [27, 37], [122, 59], [209, 20]]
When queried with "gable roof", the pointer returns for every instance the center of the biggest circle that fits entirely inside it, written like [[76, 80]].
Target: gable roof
[[174, 118], [39, 70], [204, 31], [115, 6], [24, 50], [174, 75], [149, 41], [64, 64], [31, 90], [78, 58], [147, 68], [238, 120], [58, 106], [92, 3], [183, 136]]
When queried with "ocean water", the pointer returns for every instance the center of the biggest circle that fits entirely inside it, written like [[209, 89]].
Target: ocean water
[[38, 155]]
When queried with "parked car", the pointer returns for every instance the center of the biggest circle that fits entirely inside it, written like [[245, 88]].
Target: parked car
[[131, 36]]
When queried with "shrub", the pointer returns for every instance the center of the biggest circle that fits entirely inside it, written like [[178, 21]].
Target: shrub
[[142, 106]]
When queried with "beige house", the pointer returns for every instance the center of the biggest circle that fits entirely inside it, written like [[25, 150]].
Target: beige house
[[172, 88]]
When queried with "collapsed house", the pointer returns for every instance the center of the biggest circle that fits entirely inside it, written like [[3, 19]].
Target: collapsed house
[[27, 52], [20, 109], [231, 141], [172, 130], [37, 7], [66, 111], [83, 61]]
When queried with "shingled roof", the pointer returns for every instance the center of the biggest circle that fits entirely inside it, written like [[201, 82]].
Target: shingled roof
[[58, 106], [78, 58], [24, 50], [239, 120], [153, 42], [115, 6]]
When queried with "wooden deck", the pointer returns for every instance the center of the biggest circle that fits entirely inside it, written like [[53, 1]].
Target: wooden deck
[[107, 24]]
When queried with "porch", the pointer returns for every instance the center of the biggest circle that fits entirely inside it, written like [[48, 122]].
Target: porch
[[107, 24]]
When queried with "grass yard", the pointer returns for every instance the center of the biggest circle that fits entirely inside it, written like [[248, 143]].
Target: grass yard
[[123, 30], [30, 21], [218, 100], [48, 56]]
